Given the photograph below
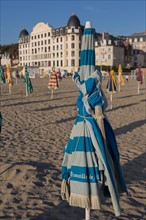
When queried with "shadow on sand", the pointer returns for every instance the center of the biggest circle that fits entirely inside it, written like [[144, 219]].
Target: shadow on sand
[[130, 127]]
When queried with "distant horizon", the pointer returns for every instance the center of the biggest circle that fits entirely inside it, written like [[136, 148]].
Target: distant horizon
[[118, 18]]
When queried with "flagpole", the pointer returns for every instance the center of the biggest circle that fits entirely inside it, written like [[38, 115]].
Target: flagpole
[[87, 214]]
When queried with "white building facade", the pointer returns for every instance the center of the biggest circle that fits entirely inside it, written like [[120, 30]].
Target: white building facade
[[48, 47]]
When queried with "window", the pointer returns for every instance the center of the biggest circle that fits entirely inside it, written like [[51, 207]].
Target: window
[[72, 62], [72, 37], [41, 42], [141, 39], [53, 47], [49, 41], [48, 34], [135, 39], [61, 63], [61, 46], [72, 45], [57, 47], [45, 35], [38, 36], [57, 40], [72, 53], [48, 49], [109, 57], [61, 39]]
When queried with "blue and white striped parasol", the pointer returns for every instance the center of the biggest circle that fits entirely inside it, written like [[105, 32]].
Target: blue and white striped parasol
[[87, 57]]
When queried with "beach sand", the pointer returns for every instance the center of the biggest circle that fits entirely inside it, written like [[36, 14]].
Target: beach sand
[[34, 132]]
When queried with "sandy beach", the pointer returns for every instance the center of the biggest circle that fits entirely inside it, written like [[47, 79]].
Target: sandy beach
[[34, 132]]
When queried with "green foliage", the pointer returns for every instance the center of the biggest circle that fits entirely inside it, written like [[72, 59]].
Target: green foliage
[[11, 49]]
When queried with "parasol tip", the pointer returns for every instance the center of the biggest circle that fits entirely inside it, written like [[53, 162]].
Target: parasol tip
[[88, 24]]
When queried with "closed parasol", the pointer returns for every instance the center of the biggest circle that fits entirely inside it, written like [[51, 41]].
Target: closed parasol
[[120, 77], [91, 167], [29, 87], [9, 79], [111, 85], [53, 82], [2, 77]]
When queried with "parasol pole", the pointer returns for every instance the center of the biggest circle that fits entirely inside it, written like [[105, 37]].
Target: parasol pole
[[16, 80], [138, 88], [9, 88], [26, 90], [87, 214], [111, 99], [119, 87], [52, 94], [1, 88]]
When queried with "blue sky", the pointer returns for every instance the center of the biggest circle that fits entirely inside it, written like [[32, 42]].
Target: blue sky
[[118, 17]]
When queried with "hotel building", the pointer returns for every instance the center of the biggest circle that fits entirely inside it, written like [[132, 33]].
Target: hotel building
[[47, 47]]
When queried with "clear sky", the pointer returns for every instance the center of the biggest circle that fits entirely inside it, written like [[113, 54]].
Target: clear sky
[[118, 17]]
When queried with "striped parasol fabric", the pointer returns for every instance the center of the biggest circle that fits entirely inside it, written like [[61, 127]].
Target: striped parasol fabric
[[91, 168], [29, 87], [87, 56], [112, 82], [53, 82]]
